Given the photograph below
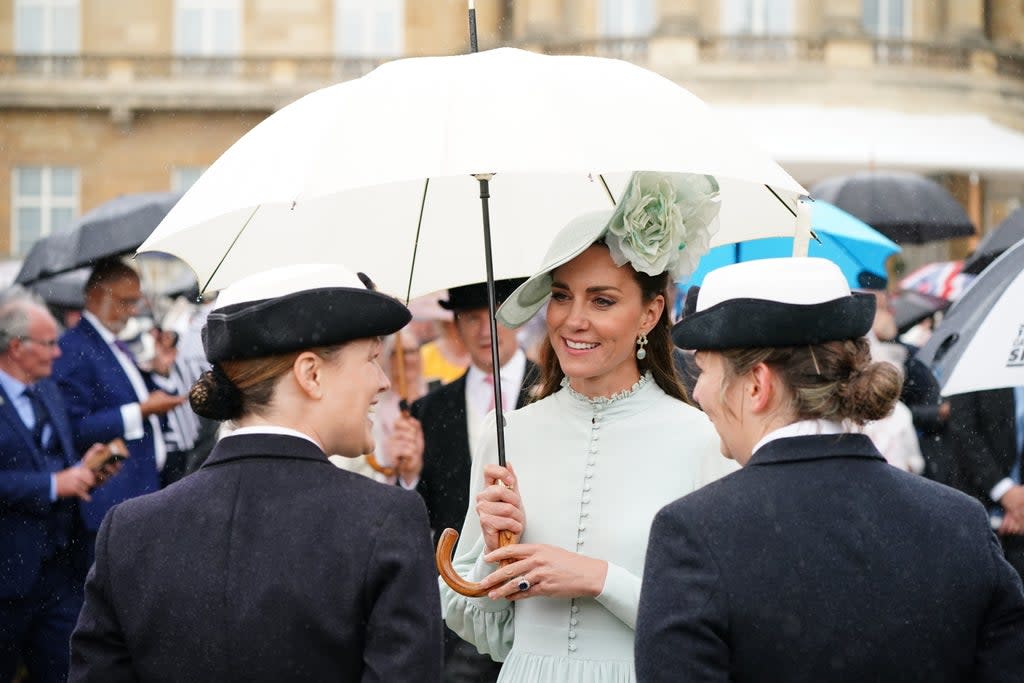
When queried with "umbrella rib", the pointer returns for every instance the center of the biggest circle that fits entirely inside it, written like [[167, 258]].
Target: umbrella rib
[[781, 201], [606, 188], [416, 242], [230, 247]]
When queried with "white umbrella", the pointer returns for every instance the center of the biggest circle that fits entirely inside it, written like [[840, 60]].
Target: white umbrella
[[378, 173], [980, 342]]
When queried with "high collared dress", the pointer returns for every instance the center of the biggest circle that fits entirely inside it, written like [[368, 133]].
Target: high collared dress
[[592, 474]]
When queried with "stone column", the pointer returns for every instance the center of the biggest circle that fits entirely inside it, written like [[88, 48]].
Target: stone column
[[678, 17], [965, 20]]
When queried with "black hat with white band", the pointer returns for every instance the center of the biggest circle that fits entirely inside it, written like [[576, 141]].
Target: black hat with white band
[[775, 302]]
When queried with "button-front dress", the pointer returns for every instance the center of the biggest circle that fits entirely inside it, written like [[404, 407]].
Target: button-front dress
[[592, 474]]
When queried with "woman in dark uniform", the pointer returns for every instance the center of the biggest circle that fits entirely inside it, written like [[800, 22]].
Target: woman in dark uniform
[[817, 561], [269, 563]]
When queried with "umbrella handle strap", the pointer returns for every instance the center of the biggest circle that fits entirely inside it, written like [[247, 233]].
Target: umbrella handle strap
[[443, 558]]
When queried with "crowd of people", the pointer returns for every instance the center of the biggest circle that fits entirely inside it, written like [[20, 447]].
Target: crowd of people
[[762, 490]]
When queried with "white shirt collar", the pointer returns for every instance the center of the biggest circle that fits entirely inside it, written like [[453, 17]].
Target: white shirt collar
[[511, 371], [274, 429], [801, 428], [106, 334]]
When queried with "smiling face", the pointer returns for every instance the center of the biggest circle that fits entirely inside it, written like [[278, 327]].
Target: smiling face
[[594, 317], [351, 381]]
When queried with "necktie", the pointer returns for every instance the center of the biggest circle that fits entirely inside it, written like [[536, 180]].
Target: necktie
[[489, 381], [42, 415], [125, 349]]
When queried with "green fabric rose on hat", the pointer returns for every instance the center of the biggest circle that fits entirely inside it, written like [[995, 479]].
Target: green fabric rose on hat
[[664, 222]]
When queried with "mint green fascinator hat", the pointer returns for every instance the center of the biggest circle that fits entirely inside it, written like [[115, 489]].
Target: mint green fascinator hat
[[663, 223]]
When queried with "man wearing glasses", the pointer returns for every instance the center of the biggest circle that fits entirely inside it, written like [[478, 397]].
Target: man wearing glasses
[[107, 396], [43, 551]]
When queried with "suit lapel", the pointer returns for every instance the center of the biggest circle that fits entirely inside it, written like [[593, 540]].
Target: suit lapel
[[10, 414]]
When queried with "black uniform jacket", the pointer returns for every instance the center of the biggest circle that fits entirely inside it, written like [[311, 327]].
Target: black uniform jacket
[[820, 562], [267, 564]]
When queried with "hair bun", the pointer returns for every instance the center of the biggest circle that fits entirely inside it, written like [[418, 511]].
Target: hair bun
[[215, 397], [872, 392]]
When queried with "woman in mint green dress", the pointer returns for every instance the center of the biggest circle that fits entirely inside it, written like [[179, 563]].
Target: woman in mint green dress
[[609, 442]]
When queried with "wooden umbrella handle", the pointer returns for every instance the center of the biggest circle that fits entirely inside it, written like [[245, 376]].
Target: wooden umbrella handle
[[443, 558], [371, 460]]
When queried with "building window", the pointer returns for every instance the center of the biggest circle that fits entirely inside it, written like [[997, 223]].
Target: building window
[[625, 18], [888, 20], [759, 29], [46, 27], [369, 28], [757, 17], [206, 30], [44, 200], [183, 177], [46, 34]]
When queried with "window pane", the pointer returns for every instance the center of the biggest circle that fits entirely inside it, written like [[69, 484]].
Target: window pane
[[183, 178], [385, 34], [738, 16], [611, 17], [190, 31], [28, 28], [61, 218], [30, 181], [870, 19], [65, 30], [351, 29], [895, 19], [225, 32], [63, 179], [778, 19], [30, 228]]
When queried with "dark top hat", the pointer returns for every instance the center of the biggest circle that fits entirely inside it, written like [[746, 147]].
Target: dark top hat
[[298, 307], [468, 297]]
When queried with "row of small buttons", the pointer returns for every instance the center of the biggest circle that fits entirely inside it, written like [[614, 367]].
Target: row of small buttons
[[581, 524]]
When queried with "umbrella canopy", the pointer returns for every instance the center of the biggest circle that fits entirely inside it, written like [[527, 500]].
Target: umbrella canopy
[[980, 343], [849, 242], [910, 307], [66, 290], [943, 279], [1006, 234], [378, 173], [906, 207], [113, 228]]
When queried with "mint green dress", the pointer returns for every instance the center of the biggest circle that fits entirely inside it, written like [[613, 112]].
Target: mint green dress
[[592, 475]]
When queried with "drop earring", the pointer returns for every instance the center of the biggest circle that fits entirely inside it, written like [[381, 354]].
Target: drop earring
[[641, 343]]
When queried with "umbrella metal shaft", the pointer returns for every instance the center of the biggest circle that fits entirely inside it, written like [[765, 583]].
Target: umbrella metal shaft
[[492, 307]]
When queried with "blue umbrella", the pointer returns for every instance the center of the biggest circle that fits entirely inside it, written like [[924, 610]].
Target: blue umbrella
[[847, 241]]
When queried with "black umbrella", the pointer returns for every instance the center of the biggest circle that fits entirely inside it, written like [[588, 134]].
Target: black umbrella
[[66, 290], [114, 228], [1006, 234], [910, 307], [905, 207]]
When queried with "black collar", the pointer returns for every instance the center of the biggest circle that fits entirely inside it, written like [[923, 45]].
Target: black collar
[[244, 446], [815, 447]]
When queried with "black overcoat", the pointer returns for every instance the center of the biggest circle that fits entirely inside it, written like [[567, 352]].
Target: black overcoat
[[820, 562], [267, 564]]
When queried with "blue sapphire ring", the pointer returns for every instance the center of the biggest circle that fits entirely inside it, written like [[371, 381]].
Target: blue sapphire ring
[[523, 584]]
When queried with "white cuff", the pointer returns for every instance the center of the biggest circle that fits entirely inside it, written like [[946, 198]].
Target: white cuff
[[53, 488], [408, 487], [1000, 489], [621, 594], [131, 418]]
